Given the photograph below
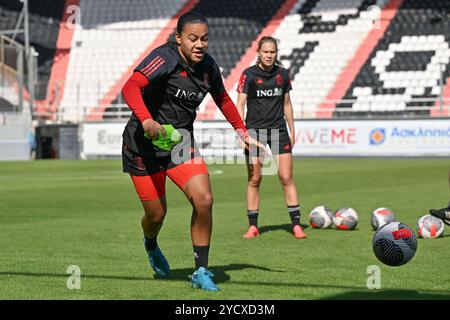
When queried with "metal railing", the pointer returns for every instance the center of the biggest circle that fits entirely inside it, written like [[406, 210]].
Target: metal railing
[[121, 112], [12, 71], [417, 108]]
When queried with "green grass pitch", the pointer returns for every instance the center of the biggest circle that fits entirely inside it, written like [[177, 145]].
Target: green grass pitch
[[54, 214]]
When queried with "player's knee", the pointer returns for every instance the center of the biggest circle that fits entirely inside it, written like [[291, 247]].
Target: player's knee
[[155, 217], [286, 179], [204, 201], [255, 181]]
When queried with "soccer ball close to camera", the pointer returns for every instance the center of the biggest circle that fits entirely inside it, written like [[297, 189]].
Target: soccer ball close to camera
[[430, 227], [345, 219], [321, 217], [394, 244], [380, 217]]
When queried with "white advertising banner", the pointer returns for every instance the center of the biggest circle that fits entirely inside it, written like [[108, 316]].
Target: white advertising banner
[[101, 139], [411, 138], [373, 138]]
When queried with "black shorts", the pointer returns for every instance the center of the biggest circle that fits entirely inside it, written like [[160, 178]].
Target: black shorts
[[155, 160], [277, 139]]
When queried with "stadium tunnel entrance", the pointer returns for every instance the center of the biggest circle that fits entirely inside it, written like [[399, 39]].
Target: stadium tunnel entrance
[[57, 142]]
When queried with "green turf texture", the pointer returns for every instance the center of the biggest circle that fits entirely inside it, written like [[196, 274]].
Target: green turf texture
[[54, 214]]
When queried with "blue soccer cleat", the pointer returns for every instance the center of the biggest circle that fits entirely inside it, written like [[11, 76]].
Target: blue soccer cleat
[[158, 262], [202, 279]]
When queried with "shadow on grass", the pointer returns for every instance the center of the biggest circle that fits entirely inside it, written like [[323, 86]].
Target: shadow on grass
[[184, 274], [66, 275], [286, 227], [220, 272]]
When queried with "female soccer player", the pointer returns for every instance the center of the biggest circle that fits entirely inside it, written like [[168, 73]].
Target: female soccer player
[[265, 88], [166, 88]]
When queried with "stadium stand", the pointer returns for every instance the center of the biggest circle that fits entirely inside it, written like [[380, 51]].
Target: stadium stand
[[408, 63], [45, 18], [317, 39], [8, 99], [346, 58], [234, 24], [106, 44]]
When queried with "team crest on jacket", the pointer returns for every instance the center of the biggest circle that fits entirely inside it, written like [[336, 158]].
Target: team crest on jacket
[[279, 79]]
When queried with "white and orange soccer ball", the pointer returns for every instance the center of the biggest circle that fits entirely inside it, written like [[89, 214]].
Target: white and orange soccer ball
[[430, 227], [345, 219], [321, 217], [380, 217]]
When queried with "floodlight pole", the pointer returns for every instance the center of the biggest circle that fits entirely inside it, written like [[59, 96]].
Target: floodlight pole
[[441, 85], [29, 57], [20, 73], [26, 26]]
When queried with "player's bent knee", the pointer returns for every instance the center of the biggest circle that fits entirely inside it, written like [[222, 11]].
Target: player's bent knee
[[155, 215], [155, 218], [208, 199]]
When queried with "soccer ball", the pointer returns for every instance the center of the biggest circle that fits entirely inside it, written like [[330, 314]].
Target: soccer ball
[[394, 244], [430, 227], [321, 217], [345, 219], [380, 217]]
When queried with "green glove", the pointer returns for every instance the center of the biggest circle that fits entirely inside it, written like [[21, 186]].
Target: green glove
[[173, 137]]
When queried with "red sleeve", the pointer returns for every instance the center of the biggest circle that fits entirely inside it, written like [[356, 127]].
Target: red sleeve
[[226, 105], [131, 92]]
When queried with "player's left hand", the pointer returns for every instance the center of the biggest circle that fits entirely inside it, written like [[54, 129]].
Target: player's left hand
[[251, 143], [292, 141]]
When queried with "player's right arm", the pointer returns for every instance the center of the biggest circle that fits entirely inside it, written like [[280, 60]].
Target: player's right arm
[[240, 105], [131, 93], [242, 89], [153, 68]]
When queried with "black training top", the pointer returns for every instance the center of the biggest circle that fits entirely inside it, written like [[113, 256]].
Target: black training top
[[265, 96], [175, 90]]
